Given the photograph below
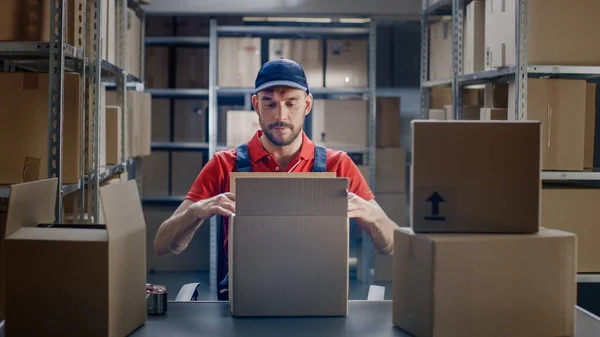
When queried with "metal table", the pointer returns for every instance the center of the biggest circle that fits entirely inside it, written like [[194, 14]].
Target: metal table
[[365, 318]]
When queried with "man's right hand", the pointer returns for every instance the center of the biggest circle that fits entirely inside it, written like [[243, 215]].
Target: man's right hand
[[222, 204]]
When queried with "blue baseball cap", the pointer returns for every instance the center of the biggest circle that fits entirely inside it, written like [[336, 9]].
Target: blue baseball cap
[[281, 72]]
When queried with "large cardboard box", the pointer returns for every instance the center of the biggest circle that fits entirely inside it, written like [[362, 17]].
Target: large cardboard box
[[239, 61], [574, 210], [293, 234], [161, 120], [346, 64], [155, 174], [97, 275], [471, 112], [111, 31], [340, 123], [191, 122], [157, 67], [388, 122], [485, 285], [133, 44], [192, 68], [390, 170], [558, 32], [241, 126], [489, 114], [138, 122], [24, 128], [30, 20], [307, 52], [561, 107], [113, 135], [440, 50], [440, 97], [496, 95], [474, 44], [185, 167], [474, 176]]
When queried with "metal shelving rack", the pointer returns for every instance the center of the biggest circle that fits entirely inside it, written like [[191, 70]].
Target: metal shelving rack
[[57, 57]]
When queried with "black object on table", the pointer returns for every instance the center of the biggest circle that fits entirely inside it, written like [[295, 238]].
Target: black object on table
[[365, 318]]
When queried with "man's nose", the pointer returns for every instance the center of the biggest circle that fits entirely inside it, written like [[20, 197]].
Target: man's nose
[[282, 112]]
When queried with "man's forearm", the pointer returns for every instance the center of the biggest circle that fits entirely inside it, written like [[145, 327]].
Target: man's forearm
[[382, 233], [175, 233]]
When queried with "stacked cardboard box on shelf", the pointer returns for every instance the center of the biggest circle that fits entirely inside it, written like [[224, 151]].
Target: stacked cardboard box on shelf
[[341, 123], [474, 43], [308, 53], [185, 167], [441, 104], [346, 64], [138, 124], [440, 50], [239, 61]]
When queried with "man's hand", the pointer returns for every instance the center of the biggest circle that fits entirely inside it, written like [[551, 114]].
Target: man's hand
[[373, 220], [222, 204], [361, 210]]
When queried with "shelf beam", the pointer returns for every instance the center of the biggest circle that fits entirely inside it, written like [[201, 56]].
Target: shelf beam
[[297, 30], [182, 41]]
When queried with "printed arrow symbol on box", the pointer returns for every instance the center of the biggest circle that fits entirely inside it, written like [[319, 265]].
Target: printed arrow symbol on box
[[435, 200]]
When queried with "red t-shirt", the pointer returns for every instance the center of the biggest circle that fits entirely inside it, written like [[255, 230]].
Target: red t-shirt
[[214, 177]]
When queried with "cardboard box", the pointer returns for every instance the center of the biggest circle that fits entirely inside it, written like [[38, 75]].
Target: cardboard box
[[490, 114], [155, 174], [474, 43], [111, 31], [102, 130], [100, 272], [24, 128], [185, 168], [340, 123], [440, 97], [157, 67], [590, 125], [292, 233], [388, 122], [496, 96], [455, 189], [192, 68], [138, 123], [161, 120], [574, 210], [144, 104], [239, 61], [113, 135], [437, 114], [307, 52], [241, 126], [485, 285], [471, 112], [390, 170], [561, 107], [346, 64], [561, 35], [440, 50], [449, 112], [191, 121], [133, 44]]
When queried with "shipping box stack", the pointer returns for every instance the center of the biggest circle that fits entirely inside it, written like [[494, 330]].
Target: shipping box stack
[[441, 104], [476, 261]]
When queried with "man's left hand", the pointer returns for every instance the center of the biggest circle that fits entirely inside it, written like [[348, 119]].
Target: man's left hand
[[362, 210]]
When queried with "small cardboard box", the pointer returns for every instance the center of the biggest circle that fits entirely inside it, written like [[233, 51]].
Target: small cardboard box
[[485, 285], [288, 247], [440, 44], [346, 64], [239, 61], [340, 122], [474, 44], [307, 52], [74, 281], [475, 176], [493, 114]]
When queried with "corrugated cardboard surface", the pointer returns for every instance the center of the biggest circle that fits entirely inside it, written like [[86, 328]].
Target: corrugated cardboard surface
[[575, 210], [346, 64], [241, 126], [30, 20], [475, 176], [340, 123], [590, 124], [155, 174], [390, 170], [113, 135], [157, 67], [440, 50], [239, 61], [490, 114], [145, 124], [192, 68], [441, 97], [471, 112], [485, 285], [161, 121], [191, 121], [496, 95], [185, 168], [308, 53], [561, 107], [24, 128], [288, 249], [388, 122], [438, 114], [132, 35], [474, 44]]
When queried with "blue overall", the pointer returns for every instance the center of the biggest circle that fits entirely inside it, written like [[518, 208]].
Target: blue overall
[[242, 164]]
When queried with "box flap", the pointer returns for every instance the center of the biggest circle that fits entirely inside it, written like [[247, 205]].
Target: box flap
[[234, 175], [30, 204], [122, 209], [59, 234], [292, 197]]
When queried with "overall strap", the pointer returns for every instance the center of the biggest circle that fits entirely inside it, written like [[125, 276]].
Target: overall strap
[[320, 164], [242, 161]]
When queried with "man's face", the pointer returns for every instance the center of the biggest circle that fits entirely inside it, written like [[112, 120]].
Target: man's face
[[281, 113]]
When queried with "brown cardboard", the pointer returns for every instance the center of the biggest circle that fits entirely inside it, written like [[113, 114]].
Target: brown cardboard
[[590, 125], [155, 174], [390, 170], [466, 175], [235, 175], [138, 122], [346, 64], [574, 210], [340, 123], [440, 97], [157, 67], [440, 50], [111, 32], [307, 52], [185, 168], [145, 124], [449, 112], [471, 112], [490, 114], [133, 36], [437, 114], [192, 68], [485, 285], [160, 26], [191, 121], [161, 121], [496, 95], [239, 61], [561, 107], [113, 135], [98, 275], [241, 126], [24, 128], [559, 36], [292, 232], [388, 122], [101, 129], [474, 44]]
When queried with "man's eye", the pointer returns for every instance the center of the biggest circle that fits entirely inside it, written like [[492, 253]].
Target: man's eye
[[271, 105], [291, 104]]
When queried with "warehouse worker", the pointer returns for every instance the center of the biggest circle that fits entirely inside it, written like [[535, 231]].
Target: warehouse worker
[[282, 102]]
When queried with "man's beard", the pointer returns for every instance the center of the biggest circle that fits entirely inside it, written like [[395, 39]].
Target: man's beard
[[270, 133]]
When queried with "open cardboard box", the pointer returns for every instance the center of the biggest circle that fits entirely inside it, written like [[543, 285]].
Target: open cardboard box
[[65, 281]]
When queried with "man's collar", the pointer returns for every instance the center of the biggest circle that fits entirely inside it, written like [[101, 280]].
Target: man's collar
[[258, 152]]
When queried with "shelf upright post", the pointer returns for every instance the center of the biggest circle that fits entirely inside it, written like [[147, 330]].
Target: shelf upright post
[[94, 11], [121, 87], [457, 57], [521, 57], [58, 14], [80, 26], [425, 92], [212, 141]]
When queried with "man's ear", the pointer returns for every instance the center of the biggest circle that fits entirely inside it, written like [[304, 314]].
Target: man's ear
[[255, 102], [309, 103]]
